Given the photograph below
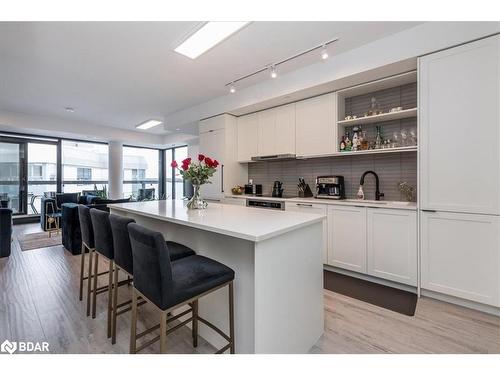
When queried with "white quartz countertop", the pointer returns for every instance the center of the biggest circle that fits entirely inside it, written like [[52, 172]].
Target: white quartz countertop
[[236, 221], [344, 202]]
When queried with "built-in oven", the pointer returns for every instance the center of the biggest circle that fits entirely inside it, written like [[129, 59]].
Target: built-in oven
[[269, 204]]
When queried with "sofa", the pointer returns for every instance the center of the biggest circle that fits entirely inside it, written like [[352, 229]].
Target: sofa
[[70, 222], [5, 232]]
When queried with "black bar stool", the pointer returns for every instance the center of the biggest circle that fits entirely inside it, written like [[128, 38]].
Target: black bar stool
[[103, 240], [87, 245], [171, 285], [124, 262]]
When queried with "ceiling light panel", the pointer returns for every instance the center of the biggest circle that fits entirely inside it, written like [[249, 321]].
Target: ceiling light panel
[[149, 124], [207, 37]]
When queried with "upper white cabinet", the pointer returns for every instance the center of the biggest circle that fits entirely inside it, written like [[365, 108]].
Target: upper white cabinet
[[459, 115], [248, 137], [316, 126], [277, 131], [313, 208], [218, 139], [460, 255], [347, 237], [392, 245]]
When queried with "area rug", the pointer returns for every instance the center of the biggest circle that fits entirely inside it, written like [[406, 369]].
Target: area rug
[[393, 299], [32, 241]]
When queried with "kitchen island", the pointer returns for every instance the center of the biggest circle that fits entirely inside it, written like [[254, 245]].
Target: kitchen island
[[277, 259]]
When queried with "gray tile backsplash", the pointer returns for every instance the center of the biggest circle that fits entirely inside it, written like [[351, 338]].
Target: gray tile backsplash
[[391, 168]]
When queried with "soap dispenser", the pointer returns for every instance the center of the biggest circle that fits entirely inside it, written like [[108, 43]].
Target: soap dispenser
[[361, 194]]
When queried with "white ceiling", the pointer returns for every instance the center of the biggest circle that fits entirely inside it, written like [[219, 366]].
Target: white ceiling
[[121, 73]]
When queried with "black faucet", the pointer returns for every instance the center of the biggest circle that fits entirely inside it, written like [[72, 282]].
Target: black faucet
[[378, 194]]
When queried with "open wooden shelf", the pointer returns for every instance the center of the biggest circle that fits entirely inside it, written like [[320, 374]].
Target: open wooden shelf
[[405, 113]]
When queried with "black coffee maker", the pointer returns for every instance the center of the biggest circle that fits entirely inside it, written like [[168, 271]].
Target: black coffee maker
[[277, 189], [330, 187]]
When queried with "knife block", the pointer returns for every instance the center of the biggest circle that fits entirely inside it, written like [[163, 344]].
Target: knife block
[[307, 193]]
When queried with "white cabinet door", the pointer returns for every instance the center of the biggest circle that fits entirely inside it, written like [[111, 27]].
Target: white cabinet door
[[212, 144], [248, 134], [347, 237], [285, 129], [313, 208], [315, 126], [459, 94], [460, 255], [392, 245], [277, 131], [267, 133]]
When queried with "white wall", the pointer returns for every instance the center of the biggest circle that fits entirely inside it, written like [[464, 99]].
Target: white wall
[[420, 40]]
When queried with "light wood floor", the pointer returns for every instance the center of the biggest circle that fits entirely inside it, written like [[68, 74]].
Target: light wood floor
[[39, 302]]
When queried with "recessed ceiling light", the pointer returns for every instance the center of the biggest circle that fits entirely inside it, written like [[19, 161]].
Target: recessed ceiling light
[[208, 36], [149, 124], [177, 129], [69, 109]]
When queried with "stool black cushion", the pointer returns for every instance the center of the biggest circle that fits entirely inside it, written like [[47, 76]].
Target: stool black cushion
[[87, 232], [178, 251], [121, 242], [103, 236], [5, 231], [167, 283], [123, 249], [70, 225]]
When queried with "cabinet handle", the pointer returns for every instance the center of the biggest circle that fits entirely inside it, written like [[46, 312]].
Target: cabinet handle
[[222, 178], [304, 205], [428, 210]]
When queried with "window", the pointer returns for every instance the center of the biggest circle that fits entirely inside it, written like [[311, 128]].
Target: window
[[141, 173], [138, 174], [83, 174], [84, 166], [174, 182], [35, 171]]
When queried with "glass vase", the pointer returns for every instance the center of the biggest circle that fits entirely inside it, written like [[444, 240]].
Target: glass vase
[[196, 202]]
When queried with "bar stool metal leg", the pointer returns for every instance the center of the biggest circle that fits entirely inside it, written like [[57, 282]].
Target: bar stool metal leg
[[115, 304], [231, 316], [195, 323], [89, 282], [133, 323], [110, 295], [163, 332], [82, 270], [94, 291]]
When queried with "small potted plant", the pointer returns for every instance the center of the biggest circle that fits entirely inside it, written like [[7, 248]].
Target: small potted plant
[[198, 173]]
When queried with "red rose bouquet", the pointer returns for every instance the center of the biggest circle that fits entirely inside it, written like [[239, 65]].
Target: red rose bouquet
[[198, 173]]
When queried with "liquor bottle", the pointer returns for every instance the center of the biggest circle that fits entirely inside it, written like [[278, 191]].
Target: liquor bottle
[[348, 143], [355, 139], [342, 144], [378, 139]]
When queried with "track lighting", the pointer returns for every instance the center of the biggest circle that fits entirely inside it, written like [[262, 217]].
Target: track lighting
[[274, 73], [272, 68], [324, 52]]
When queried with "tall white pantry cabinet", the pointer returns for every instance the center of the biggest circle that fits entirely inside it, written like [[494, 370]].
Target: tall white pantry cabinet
[[459, 156]]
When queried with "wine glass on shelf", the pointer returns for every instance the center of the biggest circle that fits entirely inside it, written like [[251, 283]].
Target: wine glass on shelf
[[395, 139], [404, 137], [413, 136]]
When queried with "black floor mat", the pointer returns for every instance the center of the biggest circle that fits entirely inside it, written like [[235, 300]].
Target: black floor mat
[[389, 298]]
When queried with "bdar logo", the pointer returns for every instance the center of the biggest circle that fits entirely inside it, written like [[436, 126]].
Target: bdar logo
[[8, 347]]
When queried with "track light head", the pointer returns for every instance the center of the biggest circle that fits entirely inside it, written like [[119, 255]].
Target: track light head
[[274, 73], [232, 88], [324, 52]]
